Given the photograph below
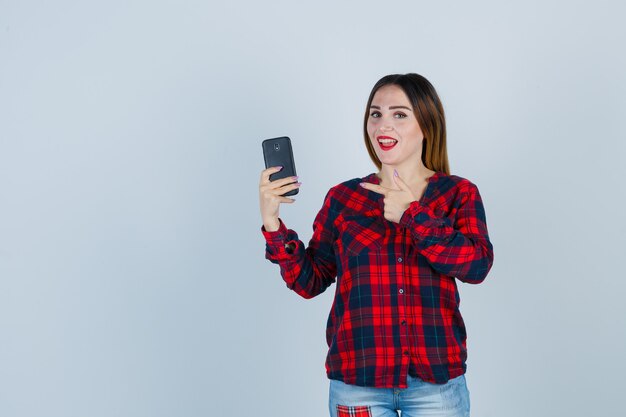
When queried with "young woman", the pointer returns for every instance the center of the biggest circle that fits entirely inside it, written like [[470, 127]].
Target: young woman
[[396, 241]]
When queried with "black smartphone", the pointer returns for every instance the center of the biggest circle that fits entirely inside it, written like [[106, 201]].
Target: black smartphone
[[277, 151]]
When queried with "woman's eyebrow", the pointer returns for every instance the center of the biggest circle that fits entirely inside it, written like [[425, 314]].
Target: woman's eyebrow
[[392, 107]]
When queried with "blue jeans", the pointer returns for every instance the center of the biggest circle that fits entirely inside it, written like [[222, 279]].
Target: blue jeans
[[420, 398]]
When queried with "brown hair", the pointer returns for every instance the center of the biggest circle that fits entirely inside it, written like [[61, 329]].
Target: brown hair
[[429, 113]]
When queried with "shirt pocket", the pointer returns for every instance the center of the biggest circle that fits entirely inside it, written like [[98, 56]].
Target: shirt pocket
[[361, 235]]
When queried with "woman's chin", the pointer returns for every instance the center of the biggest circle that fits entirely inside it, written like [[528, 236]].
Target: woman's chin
[[388, 161]]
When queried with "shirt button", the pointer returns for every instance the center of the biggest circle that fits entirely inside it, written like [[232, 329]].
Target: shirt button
[[403, 322], [400, 259], [406, 352], [401, 291]]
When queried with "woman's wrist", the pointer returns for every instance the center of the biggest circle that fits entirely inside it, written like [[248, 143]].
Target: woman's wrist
[[271, 225]]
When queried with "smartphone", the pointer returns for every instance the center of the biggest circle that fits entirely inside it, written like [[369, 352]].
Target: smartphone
[[277, 151]]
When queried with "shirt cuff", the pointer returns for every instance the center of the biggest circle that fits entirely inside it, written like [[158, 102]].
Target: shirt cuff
[[422, 220], [276, 237], [407, 218], [280, 242]]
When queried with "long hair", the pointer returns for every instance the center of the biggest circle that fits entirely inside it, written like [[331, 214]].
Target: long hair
[[428, 111]]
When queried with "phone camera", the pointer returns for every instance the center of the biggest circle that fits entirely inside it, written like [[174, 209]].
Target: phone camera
[[277, 146]]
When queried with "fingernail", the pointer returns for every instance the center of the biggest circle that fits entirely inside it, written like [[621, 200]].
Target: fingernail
[[295, 178], [280, 167], [299, 183], [395, 173], [362, 184]]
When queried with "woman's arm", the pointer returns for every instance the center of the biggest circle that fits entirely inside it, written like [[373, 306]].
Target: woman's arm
[[460, 250], [307, 271]]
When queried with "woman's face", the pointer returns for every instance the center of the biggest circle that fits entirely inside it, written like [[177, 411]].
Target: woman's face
[[393, 129]]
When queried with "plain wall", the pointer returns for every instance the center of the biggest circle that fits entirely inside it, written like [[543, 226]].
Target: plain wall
[[132, 273]]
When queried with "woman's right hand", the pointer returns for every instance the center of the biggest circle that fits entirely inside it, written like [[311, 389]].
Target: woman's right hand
[[270, 196]]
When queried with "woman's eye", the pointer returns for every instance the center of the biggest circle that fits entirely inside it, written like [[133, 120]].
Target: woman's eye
[[375, 114], [400, 115]]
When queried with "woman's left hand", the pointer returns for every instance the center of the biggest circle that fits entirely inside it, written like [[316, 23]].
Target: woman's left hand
[[396, 201]]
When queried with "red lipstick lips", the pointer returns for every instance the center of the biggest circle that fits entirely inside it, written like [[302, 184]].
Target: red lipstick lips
[[386, 142]]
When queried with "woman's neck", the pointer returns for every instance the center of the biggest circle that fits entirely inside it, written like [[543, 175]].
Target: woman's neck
[[411, 175]]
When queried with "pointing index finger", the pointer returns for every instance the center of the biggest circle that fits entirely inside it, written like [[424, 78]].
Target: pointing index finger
[[374, 187]]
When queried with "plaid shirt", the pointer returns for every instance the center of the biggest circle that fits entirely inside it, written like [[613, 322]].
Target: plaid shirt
[[396, 305]]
